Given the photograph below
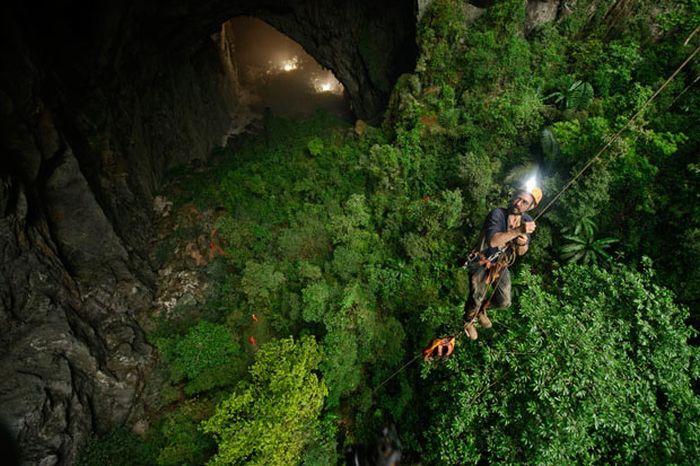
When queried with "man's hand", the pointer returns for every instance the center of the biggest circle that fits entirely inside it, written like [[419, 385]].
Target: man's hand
[[527, 227], [520, 249], [521, 241]]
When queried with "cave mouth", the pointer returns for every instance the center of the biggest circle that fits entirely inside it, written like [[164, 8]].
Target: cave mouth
[[275, 72]]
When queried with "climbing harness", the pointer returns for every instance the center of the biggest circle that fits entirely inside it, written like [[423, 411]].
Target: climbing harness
[[494, 263], [446, 349], [477, 257]]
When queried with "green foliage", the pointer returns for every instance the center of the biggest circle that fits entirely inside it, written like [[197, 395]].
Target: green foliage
[[315, 146], [273, 418], [594, 368], [578, 140], [583, 245], [120, 447], [260, 283], [549, 54], [475, 172], [575, 95], [689, 277], [353, 239], [681, 14], [322, 450], [487, 65], [184, 442], [608, 64], [205, 357], [383, 163], [443, 24]]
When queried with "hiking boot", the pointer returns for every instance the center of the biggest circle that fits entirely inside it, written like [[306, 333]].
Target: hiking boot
[[484, 320], [470, 330]]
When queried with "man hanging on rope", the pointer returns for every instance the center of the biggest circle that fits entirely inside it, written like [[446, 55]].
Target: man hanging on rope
[[505, 236]]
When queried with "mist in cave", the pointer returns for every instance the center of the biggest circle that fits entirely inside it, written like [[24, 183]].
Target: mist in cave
[[275, 72]]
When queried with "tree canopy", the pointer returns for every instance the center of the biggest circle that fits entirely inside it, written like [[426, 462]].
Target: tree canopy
[[592, 367], [272, 418]]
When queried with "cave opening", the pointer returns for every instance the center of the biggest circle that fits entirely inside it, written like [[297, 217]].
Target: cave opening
[[272, 71]]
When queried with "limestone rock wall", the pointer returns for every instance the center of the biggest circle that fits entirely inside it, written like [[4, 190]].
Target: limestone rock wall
[[89, 123]]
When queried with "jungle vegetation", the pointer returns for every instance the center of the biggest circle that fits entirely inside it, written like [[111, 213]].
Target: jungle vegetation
[[346, 244]]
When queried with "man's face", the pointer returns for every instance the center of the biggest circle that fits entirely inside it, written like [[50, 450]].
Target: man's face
[[521, 203]]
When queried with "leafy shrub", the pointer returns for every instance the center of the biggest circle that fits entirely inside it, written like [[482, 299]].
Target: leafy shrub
[[315, 146], [383, 163], [205, 357], [583, 245], [260, 283], [594, 368], [616, 66], [273, 418], [316, 301], [185, 443], [575, 95], [357, 245], [120, 447]]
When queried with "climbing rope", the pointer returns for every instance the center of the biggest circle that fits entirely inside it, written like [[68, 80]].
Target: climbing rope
[[617, 135], [396, 372], [590, 162], [457, 335]]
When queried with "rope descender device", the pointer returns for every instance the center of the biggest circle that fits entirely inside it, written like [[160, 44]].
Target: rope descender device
[[439, 348]]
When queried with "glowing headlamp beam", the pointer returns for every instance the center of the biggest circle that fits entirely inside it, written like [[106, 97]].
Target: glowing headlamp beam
[[531, 183]]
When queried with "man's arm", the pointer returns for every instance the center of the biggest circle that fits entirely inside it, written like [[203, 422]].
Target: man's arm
[[521, 244], [500, 239]]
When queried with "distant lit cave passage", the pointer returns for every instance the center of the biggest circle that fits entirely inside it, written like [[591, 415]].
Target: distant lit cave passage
[[273, 71]]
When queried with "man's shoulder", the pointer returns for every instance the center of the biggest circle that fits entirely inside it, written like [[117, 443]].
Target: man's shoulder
[[495, 219], [526, 217]]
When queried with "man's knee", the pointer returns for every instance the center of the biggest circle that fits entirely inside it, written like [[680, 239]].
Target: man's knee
[[500, 303]]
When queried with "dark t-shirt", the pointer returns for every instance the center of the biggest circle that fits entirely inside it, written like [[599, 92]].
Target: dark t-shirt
[[497, 222]]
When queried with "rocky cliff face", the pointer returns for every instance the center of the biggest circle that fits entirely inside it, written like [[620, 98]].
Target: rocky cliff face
[[96, 103], [80, 158]]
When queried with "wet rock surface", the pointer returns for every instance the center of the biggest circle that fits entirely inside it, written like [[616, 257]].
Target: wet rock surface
[[72, 359], [184, 248], [185, 244], [539, 12]]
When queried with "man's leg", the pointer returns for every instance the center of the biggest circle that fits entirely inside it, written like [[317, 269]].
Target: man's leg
[[477, 292], [501, 296]]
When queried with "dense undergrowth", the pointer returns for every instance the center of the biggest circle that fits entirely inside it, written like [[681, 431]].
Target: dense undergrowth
[[345, 244]]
